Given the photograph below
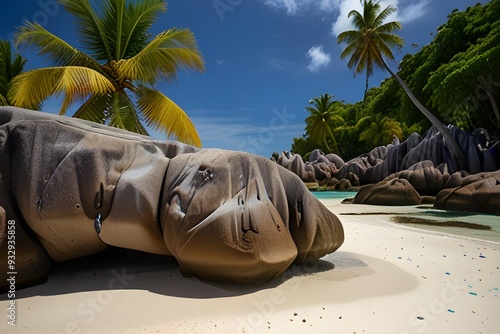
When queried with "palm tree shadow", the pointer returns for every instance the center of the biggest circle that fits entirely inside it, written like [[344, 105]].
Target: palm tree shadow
[[121, 269]]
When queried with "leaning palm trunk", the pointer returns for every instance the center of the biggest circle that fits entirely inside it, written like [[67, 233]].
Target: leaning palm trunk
[[449, 141]]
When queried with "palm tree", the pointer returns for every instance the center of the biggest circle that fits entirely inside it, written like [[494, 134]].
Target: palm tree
[[115, 80], [321, 119], [370, 43], [379, 130], [9, 68]]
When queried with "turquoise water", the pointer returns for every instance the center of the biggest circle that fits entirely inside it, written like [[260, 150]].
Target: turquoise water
[[333, 194], [437, 217]]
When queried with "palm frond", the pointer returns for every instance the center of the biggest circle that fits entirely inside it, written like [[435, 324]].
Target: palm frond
[[139, 17], [112, 19], [29, 89], [9, 68], [384, 50], [93, 34], [358, 19], [350, 49], [58, 52], [122, 114], [383, 15], [162, 113], [95, 109], [349, 36], [162, 57], [3, 101], [388, 27]]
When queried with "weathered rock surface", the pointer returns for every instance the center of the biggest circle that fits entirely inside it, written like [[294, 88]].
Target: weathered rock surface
[[417, 167], [390, 192], [475, 193], [71, 188]]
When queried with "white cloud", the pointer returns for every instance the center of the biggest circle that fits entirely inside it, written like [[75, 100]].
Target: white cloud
[[413, 11], [318, 58], [293, 6], [406, 12]]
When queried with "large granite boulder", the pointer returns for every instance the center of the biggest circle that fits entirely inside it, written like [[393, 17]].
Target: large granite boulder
[[71, 188], [473, 193], [390, 192], [424, 178]]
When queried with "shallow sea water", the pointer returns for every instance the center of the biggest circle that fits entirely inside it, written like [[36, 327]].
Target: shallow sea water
[[437, 218]]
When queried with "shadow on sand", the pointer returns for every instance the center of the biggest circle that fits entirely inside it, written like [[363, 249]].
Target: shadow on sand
[[131, 270]]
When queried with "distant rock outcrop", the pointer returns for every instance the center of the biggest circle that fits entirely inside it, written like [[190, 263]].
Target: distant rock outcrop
[[418, 170]]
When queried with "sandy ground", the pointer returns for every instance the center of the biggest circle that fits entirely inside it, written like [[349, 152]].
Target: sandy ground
[[384, 279]]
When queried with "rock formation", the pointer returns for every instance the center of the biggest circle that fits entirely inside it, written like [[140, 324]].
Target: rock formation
[[418, 170], [70, 188]]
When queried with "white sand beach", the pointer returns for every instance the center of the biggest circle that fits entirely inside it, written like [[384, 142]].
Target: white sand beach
[[386, 278]]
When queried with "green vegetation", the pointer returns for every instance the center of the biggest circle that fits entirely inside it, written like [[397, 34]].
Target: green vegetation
[[115, 79], [9, 68], [323, 117], [457, 76]]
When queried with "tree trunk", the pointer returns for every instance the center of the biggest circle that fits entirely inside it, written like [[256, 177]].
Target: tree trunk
[[449, 141], [489, 91], [366, 86]]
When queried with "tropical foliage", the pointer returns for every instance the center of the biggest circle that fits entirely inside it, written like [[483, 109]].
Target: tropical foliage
[[322, 119], [368, 45], [113, 81], [379, 130], [9, 68], [465, 94]]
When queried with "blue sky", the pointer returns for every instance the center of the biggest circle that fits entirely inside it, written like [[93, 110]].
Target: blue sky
[[265, 60]]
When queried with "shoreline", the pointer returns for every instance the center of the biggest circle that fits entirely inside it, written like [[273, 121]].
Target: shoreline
[[386, 278], [429, 214]]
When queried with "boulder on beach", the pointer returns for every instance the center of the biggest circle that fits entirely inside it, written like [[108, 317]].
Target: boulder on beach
[[390, 192], [72, 188], [473, 193]]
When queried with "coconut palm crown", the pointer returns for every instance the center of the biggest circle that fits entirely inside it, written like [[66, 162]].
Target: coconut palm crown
[[115, 79], [371, 40], [322, 117]]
